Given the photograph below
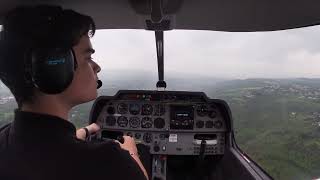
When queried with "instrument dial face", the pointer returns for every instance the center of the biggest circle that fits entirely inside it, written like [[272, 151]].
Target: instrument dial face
[[218, 124], [200, 124], [202, 110], [159, 110], [111, 110], [147, 109], [122, 121], [146, 122], [134, 122], [110, 120], [159, 123], [134, 109], [122, 108], [213, 114]]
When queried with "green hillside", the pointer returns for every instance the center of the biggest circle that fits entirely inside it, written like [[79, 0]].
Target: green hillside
[[279, 130]]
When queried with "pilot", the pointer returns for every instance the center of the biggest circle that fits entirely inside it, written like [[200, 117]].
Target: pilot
[[46, 62]]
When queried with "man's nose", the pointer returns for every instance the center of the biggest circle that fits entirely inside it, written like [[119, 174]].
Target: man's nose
[[97, 68]]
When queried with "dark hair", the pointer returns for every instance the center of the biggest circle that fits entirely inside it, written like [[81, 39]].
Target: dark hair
[[27, 27]]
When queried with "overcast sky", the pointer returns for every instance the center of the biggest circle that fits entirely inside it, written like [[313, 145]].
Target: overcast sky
[[282, 54]]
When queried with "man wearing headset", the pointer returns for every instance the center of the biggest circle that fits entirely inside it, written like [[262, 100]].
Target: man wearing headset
[[45, 61]]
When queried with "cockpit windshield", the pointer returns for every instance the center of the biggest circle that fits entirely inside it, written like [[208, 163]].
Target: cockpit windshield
[[271, 81]]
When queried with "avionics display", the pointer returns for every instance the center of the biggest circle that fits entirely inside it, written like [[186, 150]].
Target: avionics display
[[181, 117]]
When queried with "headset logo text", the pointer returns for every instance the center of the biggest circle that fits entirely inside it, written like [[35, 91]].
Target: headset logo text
[[56, 61]]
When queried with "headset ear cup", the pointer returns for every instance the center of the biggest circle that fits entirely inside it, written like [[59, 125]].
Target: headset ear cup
[[52, 69]]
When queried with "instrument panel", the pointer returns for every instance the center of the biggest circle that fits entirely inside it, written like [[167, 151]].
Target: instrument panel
[[159, 116], [169, 122]]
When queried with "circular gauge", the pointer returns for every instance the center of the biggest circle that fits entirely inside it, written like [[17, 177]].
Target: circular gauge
[[159, 110], [146, 122], [209, 124], [147, 109], [134, 122], [110, 120], [213, 114], [122, 121], [122, 108], [200, 124], [111, 110], [217, 124], [159, 123], [134, 109], [202, 110]]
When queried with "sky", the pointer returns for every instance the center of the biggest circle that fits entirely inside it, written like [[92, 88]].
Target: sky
[[280, 54]]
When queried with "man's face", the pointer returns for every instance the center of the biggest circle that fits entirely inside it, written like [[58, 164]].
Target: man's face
[[84, 84]]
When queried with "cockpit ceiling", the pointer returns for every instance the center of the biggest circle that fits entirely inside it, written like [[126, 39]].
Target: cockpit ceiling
[[218, 15]]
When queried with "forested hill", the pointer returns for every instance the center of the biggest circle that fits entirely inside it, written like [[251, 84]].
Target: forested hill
[[277, 123]]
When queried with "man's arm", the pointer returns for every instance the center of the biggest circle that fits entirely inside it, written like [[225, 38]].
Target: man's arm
[[130, 146], [137, 159], [120, 161]]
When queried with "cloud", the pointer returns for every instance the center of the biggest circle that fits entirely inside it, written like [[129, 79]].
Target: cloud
[[281, 54]]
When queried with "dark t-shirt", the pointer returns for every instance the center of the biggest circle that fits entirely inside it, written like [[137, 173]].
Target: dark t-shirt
[[44, 147]]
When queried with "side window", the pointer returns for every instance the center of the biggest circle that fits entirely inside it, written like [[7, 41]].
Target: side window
[[7, 105]]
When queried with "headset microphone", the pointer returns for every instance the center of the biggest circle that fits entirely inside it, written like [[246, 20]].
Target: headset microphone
[[99, 82]]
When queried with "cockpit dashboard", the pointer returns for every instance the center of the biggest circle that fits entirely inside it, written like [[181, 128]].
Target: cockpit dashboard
[[169, 123]]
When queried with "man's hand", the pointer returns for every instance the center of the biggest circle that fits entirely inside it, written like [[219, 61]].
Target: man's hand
[[92, 129], [129, 145]]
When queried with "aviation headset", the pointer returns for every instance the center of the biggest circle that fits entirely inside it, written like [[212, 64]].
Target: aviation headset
[[50, 69]]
